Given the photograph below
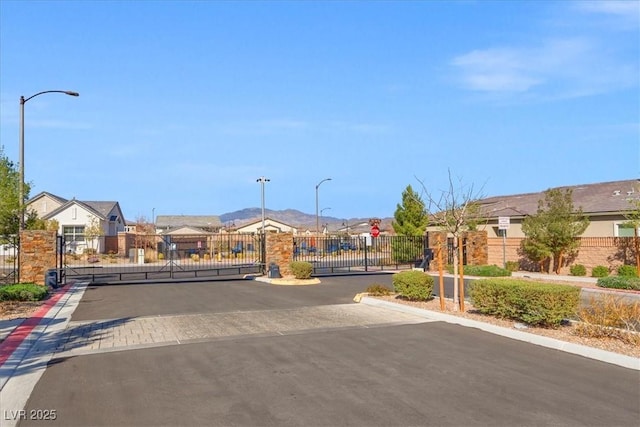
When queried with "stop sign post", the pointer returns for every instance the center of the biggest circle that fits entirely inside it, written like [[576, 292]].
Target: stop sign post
[[375, 231]]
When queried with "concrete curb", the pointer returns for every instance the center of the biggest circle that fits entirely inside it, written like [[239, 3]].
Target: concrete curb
[[287, 282], [581, 350]]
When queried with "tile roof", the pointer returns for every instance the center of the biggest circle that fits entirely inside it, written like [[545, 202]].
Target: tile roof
[[202, 221], [600, 198]]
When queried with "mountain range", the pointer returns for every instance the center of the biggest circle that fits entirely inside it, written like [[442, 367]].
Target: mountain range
[[295, 218]]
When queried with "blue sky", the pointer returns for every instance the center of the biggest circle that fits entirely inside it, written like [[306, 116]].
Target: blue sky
[[183, 105]]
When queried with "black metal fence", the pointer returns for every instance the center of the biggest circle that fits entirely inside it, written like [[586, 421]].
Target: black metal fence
[[9, 261], [344, 254], [154, 257]]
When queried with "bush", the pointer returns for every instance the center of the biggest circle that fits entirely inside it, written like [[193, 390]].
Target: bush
[[378, 290], [610, 317], [413, 285], [301, 269], [619, 282], [512, 266], [533, 303], [600, 271], [23, 292], [486, 271], [627, 271], [578, 270], [160, 256]]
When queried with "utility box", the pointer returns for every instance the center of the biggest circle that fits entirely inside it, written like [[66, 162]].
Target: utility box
[[274, 271], [51, 278], [140, 256]]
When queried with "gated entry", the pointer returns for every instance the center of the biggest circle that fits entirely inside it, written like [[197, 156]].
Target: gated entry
[[330, 255], [156, 257]]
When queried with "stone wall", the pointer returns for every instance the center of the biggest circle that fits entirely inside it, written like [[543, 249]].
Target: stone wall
[[37, 255], [608, 251], [476, 246], [280, 251]]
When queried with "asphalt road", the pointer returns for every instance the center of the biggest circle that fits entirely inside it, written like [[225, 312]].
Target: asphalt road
[[402, 373]]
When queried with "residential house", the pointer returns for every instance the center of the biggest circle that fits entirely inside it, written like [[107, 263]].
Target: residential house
[[270, 226], [188, 224], [77, 218], [605, 204]]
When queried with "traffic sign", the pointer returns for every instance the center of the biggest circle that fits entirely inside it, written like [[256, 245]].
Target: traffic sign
[[504, 222], [375, 231]]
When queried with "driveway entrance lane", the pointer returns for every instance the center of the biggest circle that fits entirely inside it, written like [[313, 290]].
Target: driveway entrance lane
[[124, 301], [425, 374]]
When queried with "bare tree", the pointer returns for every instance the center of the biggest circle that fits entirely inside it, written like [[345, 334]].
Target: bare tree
[[455, 211]]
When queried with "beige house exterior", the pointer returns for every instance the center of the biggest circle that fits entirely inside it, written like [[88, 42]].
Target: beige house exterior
[[270, 226], [605, 204]]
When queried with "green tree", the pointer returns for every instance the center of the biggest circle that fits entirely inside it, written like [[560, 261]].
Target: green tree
[[552, 233], [411, 221], [9, 198], [91, 232], [410, 216]]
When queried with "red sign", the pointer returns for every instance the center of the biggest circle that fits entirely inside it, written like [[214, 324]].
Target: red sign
[[375, 231]]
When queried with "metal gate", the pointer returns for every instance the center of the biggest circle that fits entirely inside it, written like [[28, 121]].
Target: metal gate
[[9, 260], [344, 254], [170, 257]]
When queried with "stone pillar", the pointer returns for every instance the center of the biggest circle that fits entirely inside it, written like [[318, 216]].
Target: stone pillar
[[279, 250], [37, 255], [477, 247]]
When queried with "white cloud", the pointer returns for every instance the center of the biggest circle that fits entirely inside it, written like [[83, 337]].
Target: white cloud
[[556, 68], [627, 8]]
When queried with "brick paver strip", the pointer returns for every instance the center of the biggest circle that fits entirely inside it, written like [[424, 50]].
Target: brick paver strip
[[120, 334]]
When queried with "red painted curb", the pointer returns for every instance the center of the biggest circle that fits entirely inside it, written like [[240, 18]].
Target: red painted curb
[[23, 330]]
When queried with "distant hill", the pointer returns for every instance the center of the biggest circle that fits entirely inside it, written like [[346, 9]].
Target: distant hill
[[295, 218]]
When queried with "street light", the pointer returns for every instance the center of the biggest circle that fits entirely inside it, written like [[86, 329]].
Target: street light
[[21, 184], [317, 216], [262, 180]]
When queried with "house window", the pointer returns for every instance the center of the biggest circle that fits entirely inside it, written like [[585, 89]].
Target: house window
[[624, 230], [73, 233]]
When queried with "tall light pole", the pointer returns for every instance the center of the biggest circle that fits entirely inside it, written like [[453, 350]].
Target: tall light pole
[[21, 184], [317, 216], [262, 180]]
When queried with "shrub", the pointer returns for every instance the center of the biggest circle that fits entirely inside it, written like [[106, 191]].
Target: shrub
[[486, 271], [627, 271], [610, 317], [160, 256], [619, 282], [301, 269], [195, 257], [378, 290], [413, 285], [600, 271], [578, 270], [512, 266], [533, 303], [23, 292]]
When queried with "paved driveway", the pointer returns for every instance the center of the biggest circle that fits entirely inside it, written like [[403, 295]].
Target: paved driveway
[[247, 353]]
